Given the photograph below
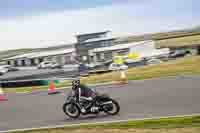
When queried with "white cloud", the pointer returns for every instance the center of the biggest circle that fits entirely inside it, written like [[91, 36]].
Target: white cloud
[[56, 28]]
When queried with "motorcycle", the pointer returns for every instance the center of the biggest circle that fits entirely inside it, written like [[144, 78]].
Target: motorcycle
[[100, 103]]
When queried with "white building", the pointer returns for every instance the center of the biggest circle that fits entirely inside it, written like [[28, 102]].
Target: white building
[[61, 56], [143, 48]]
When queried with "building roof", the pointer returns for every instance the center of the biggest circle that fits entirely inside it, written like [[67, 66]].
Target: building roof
[[19, 56], [50, 53], [119, 46], [87, 34], [98, 39], [42, 54], [155, 52], [61, 46]]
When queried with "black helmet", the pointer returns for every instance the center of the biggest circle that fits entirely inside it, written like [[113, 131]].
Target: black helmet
[[75, 83]]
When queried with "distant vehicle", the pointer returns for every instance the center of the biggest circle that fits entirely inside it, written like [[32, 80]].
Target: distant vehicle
[[3, 70], [128, 61], [116, 67], [179, 53], [10, 68], [49, 64], [153, 61], [83, 70], [99, 66]]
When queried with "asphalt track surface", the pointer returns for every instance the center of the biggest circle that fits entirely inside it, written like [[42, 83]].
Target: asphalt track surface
[[139, 99]]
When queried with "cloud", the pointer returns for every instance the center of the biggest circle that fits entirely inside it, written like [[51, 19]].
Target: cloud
[[20, 8], [60, 27]]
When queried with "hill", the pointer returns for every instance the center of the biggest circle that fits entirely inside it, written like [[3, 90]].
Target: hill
[[163, 36]]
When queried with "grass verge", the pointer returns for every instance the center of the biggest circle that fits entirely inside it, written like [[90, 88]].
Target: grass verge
[[189, 122], [183, 66]]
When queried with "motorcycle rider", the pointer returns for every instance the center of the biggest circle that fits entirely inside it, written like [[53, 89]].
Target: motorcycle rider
[[84, 95]]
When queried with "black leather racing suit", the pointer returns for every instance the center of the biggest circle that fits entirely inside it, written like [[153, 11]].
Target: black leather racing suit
[[82, 93]]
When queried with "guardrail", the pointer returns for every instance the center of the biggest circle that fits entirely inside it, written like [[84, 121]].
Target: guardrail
[[99, 71], [31, 82], [38, 79]]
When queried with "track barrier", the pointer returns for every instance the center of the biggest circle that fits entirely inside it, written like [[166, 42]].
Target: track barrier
[[31, 83], [2, 95]]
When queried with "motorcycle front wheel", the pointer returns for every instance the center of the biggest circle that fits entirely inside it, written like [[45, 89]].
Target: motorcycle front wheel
[[72, 110], [112, 108]]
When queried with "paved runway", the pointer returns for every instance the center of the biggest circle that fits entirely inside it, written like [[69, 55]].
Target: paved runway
[[138, 99]]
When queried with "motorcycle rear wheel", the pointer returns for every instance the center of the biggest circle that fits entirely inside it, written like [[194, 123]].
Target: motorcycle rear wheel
[[115, 108]]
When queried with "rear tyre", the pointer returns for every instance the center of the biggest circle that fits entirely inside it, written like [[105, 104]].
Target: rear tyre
[[113, 108], [72, 110]]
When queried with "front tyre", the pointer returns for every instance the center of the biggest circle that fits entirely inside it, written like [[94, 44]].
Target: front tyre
[[112, 108], [72, 110]]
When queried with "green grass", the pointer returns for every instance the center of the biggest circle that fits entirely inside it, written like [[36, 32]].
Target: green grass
[[164, 123], [179, 122]]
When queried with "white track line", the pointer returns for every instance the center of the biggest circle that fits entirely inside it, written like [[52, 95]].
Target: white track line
[[94, 123]]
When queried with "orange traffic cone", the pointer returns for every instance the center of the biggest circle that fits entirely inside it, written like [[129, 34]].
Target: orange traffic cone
[[52, 89], [2, 95]]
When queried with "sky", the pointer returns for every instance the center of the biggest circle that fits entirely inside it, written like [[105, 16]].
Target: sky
[[42, 23]]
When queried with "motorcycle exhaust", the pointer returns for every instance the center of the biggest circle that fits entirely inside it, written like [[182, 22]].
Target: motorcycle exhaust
[[107, 103]]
